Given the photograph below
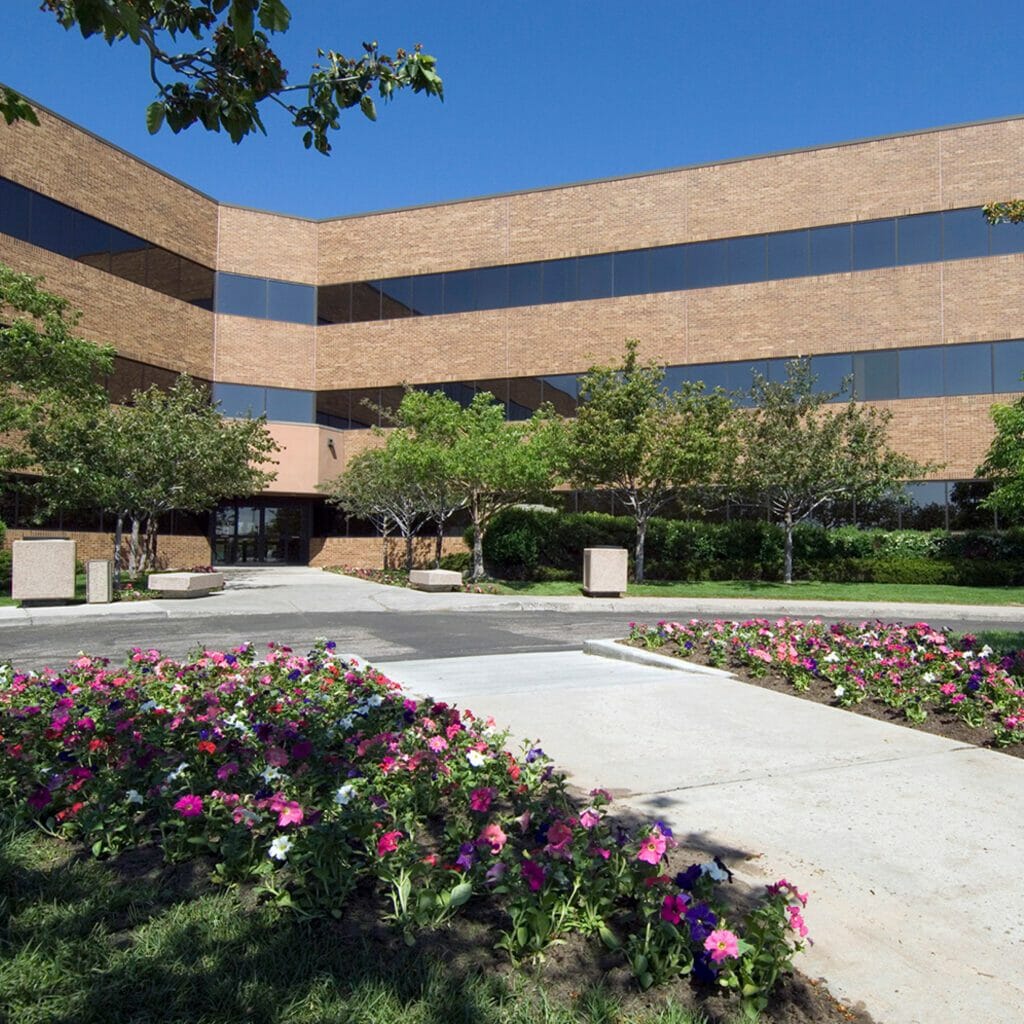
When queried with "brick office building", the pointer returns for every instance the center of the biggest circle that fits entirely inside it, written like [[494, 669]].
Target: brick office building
[[871, 257]]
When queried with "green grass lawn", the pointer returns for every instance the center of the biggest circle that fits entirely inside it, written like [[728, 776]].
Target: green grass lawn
[[82, 941], [801, 590]]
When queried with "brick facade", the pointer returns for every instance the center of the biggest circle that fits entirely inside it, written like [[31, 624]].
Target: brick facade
[[908, 306]]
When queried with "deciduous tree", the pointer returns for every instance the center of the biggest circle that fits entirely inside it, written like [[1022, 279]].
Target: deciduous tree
[[1004, 463], [800, 452], [645, 443], [222, 81], [44, 366], [163, 451]]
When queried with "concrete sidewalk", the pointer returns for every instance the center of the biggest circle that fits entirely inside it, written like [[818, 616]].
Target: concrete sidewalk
[[290, 589], [911, 845]]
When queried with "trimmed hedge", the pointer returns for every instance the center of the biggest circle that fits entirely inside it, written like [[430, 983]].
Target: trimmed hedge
[[537, 544]]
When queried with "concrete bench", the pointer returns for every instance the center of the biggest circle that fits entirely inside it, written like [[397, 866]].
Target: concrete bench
[[185, 584], [435, 579]]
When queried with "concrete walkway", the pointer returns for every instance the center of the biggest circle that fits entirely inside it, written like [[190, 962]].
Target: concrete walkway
[[911, 845], [288, 589]]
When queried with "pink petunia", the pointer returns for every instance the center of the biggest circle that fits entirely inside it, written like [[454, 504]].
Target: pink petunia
[[480, 799], [289, 813], [559, 841], [533, 874], [722, 944], [673, 908], [589, 818], [492, 837], [388, 843], [652, 849], [189, 806]]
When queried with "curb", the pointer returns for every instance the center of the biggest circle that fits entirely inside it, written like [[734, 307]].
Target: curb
[[622, 652]]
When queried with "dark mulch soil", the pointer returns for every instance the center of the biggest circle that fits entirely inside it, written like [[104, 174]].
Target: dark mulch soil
[[938, 724]]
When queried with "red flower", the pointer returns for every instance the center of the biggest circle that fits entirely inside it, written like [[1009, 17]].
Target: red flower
[[388, 843]]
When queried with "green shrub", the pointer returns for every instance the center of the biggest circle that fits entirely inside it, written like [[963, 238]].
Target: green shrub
[[458, 561], [906, 570], [5, 572], [978, 573]]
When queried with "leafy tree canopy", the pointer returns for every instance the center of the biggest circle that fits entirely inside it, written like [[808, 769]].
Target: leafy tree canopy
[[1004, 463], [163, 451], [221, 83], [44, 366], [800, 452], [645, 443]]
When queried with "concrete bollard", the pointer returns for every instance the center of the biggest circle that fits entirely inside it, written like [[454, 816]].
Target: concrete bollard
[[99, 581], [604, 571], [43, 569]]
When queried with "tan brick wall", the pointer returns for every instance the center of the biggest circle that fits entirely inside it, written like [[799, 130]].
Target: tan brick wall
[[368, 552], [264, 352], [140, 323], [267, 245], [173, 551], [881, 178], [72, 166]]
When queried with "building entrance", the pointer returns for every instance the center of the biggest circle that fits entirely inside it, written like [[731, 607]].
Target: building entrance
[[261, 533]]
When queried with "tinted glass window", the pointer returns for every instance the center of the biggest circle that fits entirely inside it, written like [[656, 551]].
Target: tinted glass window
[[524, 284], [746, 259], [1008, 365], [287, 405], [630, 273], [1006, 238], [196, 284], [241, 296], [559, 280], [14, 210], [334, 303], [427, 292], [294, 303], [921, 372], [563, 384], [492, 288], [707, 264], [927, 508], [876, 375], [395, 298], [163, 271], [51, 226], [919, 238], [788, 254], [777, 370], [964, 234], [90, 241], [874, 244], [594, 280], [711, 375], [122, 241], [831, 249], [968, 369], [366, 300], [666, 268], [460, 291], [239, 399], [740, 378], [831, 372]]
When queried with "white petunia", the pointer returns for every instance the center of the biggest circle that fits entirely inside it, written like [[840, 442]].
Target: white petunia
[[271, 773], [172, 775], [832, 657], [279, 848], [476, 759], [839, 690], [148, 706], [344, 794], [713, 871], [375, 701], [133, 796]]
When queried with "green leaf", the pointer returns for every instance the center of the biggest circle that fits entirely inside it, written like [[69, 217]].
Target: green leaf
[[608, 937], [241, 22], [155, 116], [367, 107], [274, 16], [461, 894]]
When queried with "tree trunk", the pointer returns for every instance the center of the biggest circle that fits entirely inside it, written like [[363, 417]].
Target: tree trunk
[[641, 536], [134, 548], [439, 544], [408, 551], [787, 570], [478, 541], [149, 550], [118, 541]]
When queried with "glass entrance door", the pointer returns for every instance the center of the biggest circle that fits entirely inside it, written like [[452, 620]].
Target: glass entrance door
[[260, 534]]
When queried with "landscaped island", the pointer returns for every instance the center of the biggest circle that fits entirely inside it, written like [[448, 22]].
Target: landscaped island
[[321, 789]]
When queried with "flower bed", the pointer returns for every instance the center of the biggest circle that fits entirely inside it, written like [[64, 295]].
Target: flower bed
[[915, 671], [400, 578], [314, 778]]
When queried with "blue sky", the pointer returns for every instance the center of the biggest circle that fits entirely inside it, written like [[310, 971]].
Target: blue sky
[[547, 92]]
